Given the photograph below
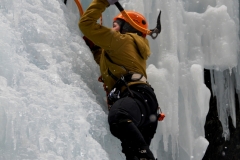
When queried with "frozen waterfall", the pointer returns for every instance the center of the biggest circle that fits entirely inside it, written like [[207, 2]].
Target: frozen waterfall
[[53, 107]]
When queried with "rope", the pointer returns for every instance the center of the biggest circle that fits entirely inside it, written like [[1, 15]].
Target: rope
[[80, 8]]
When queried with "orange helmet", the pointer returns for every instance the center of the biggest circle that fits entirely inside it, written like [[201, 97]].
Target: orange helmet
[[138, 18]]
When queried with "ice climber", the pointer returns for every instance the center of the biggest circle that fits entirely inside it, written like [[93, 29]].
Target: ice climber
[[121, 53]]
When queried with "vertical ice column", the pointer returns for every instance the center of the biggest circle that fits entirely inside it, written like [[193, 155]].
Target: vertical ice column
[[3, 121], [223, 88], [193, 108], [237, 75]]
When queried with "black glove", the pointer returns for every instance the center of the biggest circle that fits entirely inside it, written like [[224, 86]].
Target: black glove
[[90, 44]]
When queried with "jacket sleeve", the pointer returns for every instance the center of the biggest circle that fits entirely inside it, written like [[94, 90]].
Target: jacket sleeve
[[101, 36]]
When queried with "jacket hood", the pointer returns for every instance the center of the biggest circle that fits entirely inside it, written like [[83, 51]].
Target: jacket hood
[[142, 44]]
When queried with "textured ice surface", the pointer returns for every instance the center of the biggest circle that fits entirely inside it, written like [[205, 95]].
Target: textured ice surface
[[52, 107]]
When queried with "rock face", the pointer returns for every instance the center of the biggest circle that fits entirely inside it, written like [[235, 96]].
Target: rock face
[[218, 148]]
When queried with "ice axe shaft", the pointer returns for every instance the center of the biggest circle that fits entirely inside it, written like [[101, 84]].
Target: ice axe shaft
[[119, 6]]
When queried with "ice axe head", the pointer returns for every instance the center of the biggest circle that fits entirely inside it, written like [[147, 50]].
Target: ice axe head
[[157, 29]]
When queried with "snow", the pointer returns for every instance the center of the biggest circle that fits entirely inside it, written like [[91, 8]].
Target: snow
[[53, 107]]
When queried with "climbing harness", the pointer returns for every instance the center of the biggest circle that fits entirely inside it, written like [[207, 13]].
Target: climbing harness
[[115, 93], [123, 81]]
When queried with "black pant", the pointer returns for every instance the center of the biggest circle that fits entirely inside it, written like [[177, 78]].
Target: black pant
[[134, 119]]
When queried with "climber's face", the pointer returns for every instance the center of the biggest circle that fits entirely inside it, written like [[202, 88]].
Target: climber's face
[[116, 26]]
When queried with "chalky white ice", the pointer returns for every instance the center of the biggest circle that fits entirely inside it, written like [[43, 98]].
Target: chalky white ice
[[53, 107]]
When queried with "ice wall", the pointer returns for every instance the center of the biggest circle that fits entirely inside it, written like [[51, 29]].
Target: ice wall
[[195, 35], [52, 107], [207, 37]]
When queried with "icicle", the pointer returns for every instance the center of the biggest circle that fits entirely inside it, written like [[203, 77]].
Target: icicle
[[225, 94], [232, 104], [213, 82]]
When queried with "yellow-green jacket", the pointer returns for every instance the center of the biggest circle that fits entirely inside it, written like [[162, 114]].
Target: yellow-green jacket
[[120, 52]]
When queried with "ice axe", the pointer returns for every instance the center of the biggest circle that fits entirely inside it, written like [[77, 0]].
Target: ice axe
[[152, 32]]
